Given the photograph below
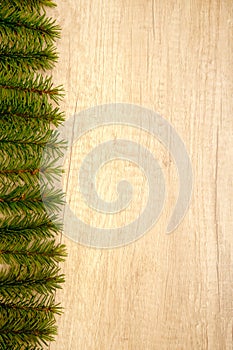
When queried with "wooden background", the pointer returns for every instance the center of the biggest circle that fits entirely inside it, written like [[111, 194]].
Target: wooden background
[[174, 57]]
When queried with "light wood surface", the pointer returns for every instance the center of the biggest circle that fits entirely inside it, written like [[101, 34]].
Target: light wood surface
[[163, 291]]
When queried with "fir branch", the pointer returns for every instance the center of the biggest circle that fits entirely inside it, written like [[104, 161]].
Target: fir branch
[[16, 157], [19, 171], [52, 147], [28, 87], [27, 58], [30, 151], [45, 175], [38, 200], [29, 5], [37, 331], [44, 304], [13, 220], [17, 24], [20, 251], [25, 110], [27, 193], [23, 281], [40, 228], [30, 130], [15, 346], [41, 232]]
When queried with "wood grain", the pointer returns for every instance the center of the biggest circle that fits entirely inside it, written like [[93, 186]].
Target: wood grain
[[174, 57]]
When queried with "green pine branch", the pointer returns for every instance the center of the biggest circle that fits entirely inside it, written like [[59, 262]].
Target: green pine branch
[[15, 191], [25, 110], [29, 5], [28, 199], [29, 87], [30, 150], [17, 24], [15, 155], [31, 177], [30, 211], [27, 58], [53, 149], [43, 176], [24, 281], [45, 230], [24, 159], [37, 331], [33, 148], [30, 130], [13, 220], [15, 346], [16, 250], [43, 304]]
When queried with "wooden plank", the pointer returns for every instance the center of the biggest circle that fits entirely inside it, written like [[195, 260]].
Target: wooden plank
[[173, 57]]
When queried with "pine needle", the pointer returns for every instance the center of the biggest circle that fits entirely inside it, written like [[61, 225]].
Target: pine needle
[[30, 151]]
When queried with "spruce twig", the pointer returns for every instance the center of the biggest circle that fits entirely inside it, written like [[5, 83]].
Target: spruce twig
[[11, 220], [40, 231], [29, 5], [30, 151], [15, 24], [20, 251], [35, 199], [29, 58], [28, 109], [38, 331], [29, 87], [44, 304], [25, 281]]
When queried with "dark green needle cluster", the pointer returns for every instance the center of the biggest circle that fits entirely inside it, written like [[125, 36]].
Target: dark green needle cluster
[[30, 148]]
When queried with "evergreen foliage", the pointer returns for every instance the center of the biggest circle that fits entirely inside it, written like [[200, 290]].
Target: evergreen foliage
[[29, 150]]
